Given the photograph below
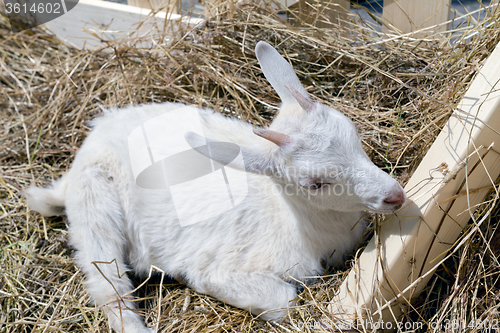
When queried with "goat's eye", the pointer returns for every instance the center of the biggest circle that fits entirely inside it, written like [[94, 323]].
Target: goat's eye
[[316, 186]]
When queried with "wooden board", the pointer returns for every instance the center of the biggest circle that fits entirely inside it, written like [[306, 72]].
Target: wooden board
[[397, 264], [328, 13], [406, 16], [169, 6], [92, 21]]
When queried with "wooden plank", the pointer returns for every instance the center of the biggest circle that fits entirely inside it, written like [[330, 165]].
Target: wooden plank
[[169, 6], [288, 3], [411, 243], [405, 16], [92, 21], [321, 13]]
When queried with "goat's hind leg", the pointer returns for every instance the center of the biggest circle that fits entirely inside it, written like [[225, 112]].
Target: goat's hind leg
[[97, 232]]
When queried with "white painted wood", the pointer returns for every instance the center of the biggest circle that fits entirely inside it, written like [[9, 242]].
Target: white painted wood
[[409, 15], [408, 248], [326, 13], [288, 3], [92, 20], [169, 6]]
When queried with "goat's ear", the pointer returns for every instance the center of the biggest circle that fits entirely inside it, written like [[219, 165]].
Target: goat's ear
[[252, 159], [280, 74]]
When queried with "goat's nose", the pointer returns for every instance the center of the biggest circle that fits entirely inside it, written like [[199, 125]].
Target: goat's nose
[[396, 198]]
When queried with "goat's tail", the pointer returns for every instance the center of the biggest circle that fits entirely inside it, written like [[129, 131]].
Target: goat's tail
[[47, 201]]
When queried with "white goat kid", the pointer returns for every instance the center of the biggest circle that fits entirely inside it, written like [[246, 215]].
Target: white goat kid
[[244, 255]]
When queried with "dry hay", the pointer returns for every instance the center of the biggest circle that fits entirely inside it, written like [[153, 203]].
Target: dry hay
[[398, 91]]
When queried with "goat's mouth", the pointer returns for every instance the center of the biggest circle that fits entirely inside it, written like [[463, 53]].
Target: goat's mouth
[[381, 210]]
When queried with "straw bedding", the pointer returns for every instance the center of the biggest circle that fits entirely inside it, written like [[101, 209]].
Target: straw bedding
[[399, 92]]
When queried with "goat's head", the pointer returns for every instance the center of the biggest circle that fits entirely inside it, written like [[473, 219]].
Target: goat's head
[[315, 149]]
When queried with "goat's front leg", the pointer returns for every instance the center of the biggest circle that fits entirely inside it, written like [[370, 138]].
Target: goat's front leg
[[261, 293]]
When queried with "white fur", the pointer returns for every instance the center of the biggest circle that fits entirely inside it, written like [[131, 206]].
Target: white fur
[[245, 256]]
